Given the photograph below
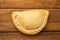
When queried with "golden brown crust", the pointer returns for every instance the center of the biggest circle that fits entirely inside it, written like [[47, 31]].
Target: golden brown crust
[[19, 26]]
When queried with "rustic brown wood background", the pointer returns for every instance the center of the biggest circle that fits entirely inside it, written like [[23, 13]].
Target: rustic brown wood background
[[8, 30]]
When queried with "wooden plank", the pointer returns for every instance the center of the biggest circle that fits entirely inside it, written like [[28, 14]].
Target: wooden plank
[[6, 23], [40, 36], [29, 3]]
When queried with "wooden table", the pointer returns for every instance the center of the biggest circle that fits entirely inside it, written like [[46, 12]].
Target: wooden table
[[8, 30]]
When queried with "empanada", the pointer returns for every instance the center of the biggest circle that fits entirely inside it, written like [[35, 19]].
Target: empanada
[[30, 21]]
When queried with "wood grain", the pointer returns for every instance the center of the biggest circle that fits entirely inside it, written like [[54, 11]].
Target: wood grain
[[8, 30], [30, 4], [6, 23], [20, 36]]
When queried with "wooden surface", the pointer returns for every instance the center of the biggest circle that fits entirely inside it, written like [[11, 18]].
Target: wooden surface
[[8, 30], [30, 4]]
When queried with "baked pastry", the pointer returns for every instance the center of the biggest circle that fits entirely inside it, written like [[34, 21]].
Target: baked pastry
[[31, 21]]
